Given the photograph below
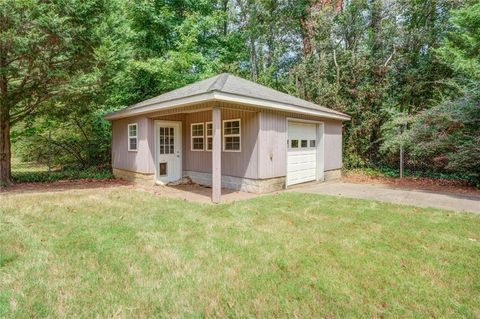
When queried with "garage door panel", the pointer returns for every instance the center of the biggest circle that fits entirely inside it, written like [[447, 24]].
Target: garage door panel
[[302, 174], [293, 167], [298, 159], [300, 177], [302, 131]]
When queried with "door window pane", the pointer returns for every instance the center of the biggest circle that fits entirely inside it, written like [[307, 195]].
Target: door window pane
[[167, 140]]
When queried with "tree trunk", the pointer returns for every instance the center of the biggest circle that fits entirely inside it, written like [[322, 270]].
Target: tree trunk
[[225, 18], [253, 59], [5, 154], [306, 36]]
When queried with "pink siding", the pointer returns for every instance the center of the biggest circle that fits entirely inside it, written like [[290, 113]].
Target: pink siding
[[273, 143], [239, 164], [136, 161], [333, 145], [264, 136]]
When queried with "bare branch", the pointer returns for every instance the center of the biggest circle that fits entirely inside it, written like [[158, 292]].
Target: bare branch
[[18, 116], [337, 68], [389, 58]]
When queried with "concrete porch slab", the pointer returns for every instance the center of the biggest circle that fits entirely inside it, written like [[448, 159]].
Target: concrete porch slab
[[196, 193]]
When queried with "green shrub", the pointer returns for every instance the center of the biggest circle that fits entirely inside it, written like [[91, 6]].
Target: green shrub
[[387, 171], [66, 174]]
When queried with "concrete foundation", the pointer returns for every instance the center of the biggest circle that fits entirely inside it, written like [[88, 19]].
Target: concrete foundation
[[257, 186], [333, 174], [135, 177]]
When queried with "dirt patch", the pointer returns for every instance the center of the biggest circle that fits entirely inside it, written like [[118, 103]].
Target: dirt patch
[[195, 193], [433, 184], [64, 185]]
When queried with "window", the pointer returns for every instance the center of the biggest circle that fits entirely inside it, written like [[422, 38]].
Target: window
[[231, 136], [197, 137], [167, 140], [132, 137], [209, 136], [301, 144]]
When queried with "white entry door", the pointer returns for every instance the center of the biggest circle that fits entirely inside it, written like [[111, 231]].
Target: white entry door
[[169, 151], [301, 153]]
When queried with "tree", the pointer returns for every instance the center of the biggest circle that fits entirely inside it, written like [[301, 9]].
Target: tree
[[45, 49], [64, 63], [445, 136], [461, 49]]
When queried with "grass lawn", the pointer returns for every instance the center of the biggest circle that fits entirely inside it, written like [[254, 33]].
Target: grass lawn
[[126, 253]]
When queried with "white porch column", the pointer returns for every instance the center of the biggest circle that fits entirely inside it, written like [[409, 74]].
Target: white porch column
[[216, 154]]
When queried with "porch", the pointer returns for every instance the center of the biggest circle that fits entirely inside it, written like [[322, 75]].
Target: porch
[[213, 144], [197, 193]]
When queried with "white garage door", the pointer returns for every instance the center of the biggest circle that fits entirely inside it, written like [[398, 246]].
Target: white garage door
[[301, 153]]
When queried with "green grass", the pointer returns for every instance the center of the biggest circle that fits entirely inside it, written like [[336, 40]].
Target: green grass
[[27, 167], [125, 253]]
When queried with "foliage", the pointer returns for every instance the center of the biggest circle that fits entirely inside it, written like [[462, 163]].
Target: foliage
[[69, 139], [382, 62], [448, 135], [64, 174], [47, 62], [461, 48], [386, 171]]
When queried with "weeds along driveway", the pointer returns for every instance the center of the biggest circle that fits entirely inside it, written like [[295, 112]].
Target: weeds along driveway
[[389, 194]]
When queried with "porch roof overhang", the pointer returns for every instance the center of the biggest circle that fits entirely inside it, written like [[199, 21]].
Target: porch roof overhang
[[230, 89]]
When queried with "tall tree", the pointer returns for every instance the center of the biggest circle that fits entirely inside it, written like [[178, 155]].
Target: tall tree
[[369, 58], [44, 49], [461, 48]]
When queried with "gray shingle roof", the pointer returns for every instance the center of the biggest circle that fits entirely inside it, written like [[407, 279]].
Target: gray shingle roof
[[228, 83]]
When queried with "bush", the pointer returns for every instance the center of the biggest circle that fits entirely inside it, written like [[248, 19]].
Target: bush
[[66, 174], [394, 172]]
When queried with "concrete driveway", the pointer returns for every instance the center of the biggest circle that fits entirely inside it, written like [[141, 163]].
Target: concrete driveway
[[385, 193]]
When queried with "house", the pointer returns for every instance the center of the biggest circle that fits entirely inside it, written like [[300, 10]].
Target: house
[[227, 132]]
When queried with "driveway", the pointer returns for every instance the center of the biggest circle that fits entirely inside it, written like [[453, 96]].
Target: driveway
[[385, 193]]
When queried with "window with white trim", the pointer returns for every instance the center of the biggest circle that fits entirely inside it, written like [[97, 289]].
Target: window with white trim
[[197, 137], [132, 137], [231, 135], [209, 136]]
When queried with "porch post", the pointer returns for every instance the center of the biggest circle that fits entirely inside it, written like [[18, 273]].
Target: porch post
[[216, 154]]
